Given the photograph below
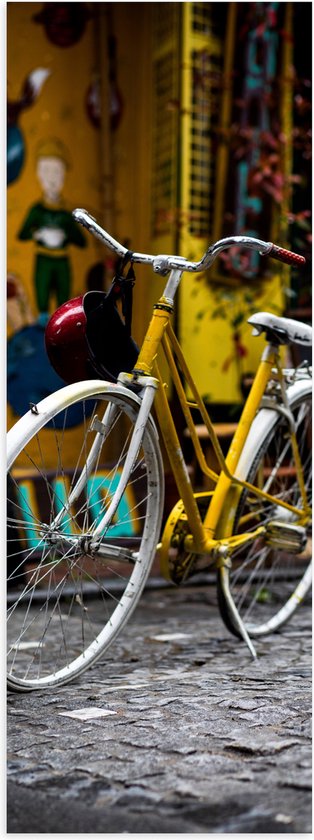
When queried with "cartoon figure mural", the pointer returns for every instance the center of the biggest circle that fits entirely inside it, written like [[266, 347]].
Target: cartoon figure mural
[[52, 228]]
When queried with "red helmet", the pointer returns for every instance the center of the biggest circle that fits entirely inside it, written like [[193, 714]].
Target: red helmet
[[87, 338]]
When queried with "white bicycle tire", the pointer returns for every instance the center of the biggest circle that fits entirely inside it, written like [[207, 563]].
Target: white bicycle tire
[[262, 427], [19, 436]]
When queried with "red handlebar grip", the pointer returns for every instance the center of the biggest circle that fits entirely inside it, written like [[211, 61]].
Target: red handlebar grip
[[286, 256]]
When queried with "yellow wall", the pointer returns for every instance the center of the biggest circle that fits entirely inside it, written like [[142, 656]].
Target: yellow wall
[[207, 338], [131, 150]]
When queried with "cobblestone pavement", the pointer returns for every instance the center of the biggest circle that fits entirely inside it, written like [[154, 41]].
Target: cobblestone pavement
[[198, 737]]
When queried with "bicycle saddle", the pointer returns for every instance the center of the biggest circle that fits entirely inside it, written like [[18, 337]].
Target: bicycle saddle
[[281, 330]]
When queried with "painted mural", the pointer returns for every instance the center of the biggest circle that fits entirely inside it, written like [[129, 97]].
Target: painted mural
[[67, 143], [257, 174], [252, 183], [48, 174], [70, 76], [52, 228], [63, 153], [55, 94]]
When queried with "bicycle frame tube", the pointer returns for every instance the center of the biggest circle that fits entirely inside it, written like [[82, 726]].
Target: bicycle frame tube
[[146, 364], [178, 467], [159, 321], [228, 465], [202, 537], [169, 344], [252, 405]]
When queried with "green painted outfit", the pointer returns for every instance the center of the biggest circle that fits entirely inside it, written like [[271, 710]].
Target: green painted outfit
[[52, 266]]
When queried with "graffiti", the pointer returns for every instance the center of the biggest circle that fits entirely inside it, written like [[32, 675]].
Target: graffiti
[[255, 129], [99, 488], [238, 116]]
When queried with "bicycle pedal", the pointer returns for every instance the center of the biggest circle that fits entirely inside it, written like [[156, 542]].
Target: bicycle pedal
[[286, 537]]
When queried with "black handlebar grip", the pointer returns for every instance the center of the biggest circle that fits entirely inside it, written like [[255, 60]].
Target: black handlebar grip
[[286, 256]]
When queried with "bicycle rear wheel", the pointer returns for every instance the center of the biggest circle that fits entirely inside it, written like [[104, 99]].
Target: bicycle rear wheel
[[268, 580], [69, 597]]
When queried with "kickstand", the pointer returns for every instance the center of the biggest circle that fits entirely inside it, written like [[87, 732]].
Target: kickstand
[[232, 608]]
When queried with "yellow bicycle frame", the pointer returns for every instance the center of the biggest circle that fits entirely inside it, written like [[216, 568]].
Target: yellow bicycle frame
[[204, 536]]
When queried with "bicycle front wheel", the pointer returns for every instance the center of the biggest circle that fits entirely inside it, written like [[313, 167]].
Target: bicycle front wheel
[[270, 577], [70, 594]]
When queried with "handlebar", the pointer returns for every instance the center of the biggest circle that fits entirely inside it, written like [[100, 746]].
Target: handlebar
[[163, 263]]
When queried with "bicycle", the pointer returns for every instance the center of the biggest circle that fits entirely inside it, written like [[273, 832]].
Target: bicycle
[[80, 562]]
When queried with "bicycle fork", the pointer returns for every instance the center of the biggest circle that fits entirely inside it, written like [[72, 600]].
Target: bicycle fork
[[136, 441], [92, 542]]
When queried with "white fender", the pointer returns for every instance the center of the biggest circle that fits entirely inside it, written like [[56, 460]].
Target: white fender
[[262, 425], [43, 412]]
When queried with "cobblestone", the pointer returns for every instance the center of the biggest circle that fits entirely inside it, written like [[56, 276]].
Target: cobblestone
[[198, 737]]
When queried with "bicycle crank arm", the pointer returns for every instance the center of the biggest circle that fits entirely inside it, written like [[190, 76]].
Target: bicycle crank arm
[[230, 543]]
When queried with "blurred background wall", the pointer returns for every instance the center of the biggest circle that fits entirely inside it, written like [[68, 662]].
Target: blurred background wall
[[173, 124]]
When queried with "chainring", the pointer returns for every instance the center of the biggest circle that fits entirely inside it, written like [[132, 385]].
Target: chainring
[[177, 564]]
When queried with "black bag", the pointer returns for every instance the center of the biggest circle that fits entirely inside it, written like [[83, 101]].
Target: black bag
[[111, 347]]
